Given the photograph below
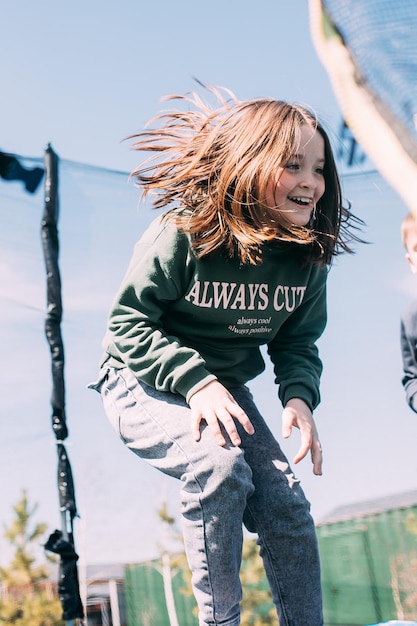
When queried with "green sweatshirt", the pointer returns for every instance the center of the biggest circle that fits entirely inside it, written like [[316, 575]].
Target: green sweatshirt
[[179, 322]]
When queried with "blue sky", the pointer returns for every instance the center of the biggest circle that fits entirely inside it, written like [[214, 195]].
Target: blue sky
[[83, 76]]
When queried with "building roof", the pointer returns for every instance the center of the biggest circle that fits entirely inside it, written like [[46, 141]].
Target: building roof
[[104, 572], [371, 507]]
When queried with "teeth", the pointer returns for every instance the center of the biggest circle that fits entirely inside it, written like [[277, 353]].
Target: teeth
[[300, 199]]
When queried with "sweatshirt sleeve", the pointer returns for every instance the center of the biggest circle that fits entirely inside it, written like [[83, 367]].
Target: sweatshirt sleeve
[[135, 336], [293, 351], [409, 354]]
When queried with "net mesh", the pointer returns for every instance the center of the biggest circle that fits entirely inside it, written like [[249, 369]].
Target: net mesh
[[370, 52]]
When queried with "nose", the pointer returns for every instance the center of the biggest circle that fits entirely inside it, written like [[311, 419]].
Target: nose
[[308, 181]]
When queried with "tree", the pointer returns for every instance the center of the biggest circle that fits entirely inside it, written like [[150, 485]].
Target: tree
[[257, 608], [27, 598]]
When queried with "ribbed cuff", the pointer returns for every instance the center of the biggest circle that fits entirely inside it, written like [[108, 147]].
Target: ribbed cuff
[[192, 381], [199, 385], [297, 390]]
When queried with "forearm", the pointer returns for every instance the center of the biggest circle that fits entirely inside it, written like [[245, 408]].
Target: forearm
[[294, 353], [156, 358], [298, 370]]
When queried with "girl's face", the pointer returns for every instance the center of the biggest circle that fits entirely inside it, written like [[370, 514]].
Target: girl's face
[[298, 186]]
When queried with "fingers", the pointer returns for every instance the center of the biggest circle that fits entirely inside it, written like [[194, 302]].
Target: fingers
[[313, 444], [213, 424], [195, 426], [305, 446], [224, 416], [317, 457], [300, 416], [288, 419], [233, 410], [215, 406]]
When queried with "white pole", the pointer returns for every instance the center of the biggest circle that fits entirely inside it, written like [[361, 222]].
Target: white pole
[[114, 603], [169, 595]]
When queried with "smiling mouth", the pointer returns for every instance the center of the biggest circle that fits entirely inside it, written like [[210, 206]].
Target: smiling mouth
[[301, 201]]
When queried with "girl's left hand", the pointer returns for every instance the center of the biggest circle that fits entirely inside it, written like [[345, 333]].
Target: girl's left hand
[[298, 414]]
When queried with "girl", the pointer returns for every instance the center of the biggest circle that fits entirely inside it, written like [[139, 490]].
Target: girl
[[239, 260]]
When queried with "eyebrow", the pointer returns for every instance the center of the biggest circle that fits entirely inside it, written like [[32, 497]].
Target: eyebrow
[[300, 156]]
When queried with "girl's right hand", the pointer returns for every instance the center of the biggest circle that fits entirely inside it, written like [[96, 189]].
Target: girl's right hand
[[215, 405]]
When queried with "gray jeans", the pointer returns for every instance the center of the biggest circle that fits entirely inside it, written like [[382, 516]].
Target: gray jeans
[[223, 487]]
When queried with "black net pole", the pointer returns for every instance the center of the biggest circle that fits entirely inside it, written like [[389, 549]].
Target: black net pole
[[61, 541]]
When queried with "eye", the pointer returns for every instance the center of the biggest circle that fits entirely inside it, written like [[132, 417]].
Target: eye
[[320, 170], [292, 166]]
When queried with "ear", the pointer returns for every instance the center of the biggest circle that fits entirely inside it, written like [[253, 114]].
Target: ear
[[411, 262]]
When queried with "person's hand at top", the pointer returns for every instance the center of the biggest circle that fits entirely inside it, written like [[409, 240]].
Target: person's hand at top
[[214, 405], [298, 414]]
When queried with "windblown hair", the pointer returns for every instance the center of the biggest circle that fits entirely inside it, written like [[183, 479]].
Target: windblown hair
[[213, 165]]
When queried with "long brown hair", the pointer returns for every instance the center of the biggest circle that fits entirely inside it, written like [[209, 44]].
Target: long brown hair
[[212, 167]]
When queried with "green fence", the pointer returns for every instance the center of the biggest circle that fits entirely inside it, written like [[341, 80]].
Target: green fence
[[369, 568], [146, 603], [369, 576]]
